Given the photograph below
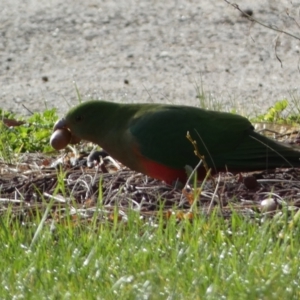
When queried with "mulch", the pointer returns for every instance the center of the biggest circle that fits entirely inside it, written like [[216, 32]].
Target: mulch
[[66, 185]]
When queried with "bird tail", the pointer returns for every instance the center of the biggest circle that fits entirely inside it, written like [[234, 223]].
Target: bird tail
[[258, 152]]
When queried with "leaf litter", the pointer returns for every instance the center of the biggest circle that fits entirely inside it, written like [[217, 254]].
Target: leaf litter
[[71, 187]]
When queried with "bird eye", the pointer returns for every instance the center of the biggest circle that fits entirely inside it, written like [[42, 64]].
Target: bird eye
[[78, 118]]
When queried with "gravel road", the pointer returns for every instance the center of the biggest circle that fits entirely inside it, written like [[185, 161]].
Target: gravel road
[[146, 51]]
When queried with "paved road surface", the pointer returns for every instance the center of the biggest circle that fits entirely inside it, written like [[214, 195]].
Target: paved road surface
[[144, 51]]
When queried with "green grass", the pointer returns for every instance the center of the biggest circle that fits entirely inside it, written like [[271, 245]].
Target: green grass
[[208, 258], [32, 136]]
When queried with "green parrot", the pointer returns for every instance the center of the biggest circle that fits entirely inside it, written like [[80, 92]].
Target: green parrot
[[151, 139]]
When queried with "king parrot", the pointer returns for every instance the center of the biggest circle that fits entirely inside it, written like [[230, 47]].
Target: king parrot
[[151, 139]]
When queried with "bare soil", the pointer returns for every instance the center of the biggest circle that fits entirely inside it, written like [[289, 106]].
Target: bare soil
[[28, 186]]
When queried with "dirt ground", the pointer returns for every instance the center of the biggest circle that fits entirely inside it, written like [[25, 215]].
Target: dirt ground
[[146, 51]]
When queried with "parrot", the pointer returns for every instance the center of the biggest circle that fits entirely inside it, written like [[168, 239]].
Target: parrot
[[152, 139]]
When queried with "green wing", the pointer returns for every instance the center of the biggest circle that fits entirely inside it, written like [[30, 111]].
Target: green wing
[[161, 134]]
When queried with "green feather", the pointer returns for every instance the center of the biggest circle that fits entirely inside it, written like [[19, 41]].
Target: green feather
[[159, 133], [225, 140]]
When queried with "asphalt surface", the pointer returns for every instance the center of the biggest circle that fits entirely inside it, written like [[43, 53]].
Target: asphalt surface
[[147, 51]]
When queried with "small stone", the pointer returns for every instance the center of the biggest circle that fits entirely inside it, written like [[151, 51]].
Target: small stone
[[45, 78], [247, 11], [269, 205], [250, 182]]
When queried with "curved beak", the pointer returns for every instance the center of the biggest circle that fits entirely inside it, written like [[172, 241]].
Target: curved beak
[[62, 124]]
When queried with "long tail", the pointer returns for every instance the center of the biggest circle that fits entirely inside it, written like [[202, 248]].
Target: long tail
[[258, 152]]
